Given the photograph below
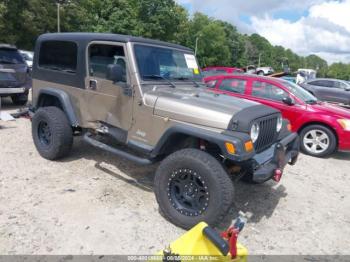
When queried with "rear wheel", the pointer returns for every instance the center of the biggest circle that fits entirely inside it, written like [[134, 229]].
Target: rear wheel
[[52, 133], [20, 99], [192, 186], [318, 141]]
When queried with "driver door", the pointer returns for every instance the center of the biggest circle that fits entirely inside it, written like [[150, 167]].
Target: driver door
[[272, 95], [108, 101]]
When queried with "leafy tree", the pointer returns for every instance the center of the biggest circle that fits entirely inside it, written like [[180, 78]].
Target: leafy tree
[[109, 16], [159, 19], [219, 43], [339, 70]]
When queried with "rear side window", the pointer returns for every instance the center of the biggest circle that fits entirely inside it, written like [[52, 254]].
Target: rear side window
[[59, 56], [315, 83], [10, 56], [268, 91], [233, 85], [325, 83]]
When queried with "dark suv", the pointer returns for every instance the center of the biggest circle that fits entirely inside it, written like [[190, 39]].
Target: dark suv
[[330, 90], [14, 76]]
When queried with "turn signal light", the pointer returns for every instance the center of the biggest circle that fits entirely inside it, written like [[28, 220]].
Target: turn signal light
[[289, 126], [249, 147], [230, 148]]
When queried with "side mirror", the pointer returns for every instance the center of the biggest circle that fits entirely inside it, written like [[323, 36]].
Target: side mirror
[[114, 73], [288, 101]]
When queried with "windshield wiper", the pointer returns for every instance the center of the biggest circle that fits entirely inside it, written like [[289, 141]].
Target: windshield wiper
[[187, 79], [160, 77]]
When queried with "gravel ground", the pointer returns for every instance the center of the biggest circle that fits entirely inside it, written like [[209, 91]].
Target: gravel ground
[[95, 203]]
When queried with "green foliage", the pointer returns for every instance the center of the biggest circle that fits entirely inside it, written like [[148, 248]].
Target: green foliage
[[219, 43], [339, 70]]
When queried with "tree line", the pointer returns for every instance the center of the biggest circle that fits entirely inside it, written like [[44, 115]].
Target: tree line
[[219, 42]]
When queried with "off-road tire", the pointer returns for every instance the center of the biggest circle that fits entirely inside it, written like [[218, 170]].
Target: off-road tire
[[332, 140], [208, 169], [61, 133], [20, 99]]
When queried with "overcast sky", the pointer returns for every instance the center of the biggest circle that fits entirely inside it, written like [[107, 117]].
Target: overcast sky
[[307, 27]]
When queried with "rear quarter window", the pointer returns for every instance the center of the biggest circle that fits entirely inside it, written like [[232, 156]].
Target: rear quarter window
[[268, 91], [233, 85], [59, 56]]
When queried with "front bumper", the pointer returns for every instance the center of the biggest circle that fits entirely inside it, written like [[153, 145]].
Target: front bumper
[[264, 165], [344, 141], [11, 91]]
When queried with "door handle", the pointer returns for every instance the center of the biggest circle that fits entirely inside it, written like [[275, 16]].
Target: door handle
[[93, 84]]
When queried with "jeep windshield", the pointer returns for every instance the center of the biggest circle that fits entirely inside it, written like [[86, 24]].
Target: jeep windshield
[[166, 65]]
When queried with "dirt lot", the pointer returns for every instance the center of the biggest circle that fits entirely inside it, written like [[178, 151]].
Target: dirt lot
[[94, 203]]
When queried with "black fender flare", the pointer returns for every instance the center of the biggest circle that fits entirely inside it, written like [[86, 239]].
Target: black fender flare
[[65, 101], [237, 138]]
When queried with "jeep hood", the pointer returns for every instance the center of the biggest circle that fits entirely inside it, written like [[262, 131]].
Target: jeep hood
[[196, 106]]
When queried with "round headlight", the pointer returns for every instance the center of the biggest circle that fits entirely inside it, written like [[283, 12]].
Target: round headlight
[[279, 123], [254, 132]]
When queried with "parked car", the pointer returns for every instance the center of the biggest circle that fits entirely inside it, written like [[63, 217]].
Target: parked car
[[28, 57], [250, 69], [151, 104], [323, 128], [14, 78], [264, 71], [220, 70], [329, 90]]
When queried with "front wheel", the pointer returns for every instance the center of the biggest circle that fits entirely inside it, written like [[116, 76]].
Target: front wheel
[[192, 186], [318, 141]]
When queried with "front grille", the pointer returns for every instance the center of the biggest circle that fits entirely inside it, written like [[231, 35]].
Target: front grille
[[268, 133]]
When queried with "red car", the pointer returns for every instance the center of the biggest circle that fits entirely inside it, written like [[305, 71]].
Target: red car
[[323, 128], [220, 70]]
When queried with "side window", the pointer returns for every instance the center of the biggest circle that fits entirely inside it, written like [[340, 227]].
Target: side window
[[268, 91], [211, 84], [102, 55], [327, 83], [338, 84], [59, 55], [233, 85], [315, 83], [324, 83]]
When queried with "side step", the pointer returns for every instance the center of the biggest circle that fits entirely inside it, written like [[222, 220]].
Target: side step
[[138, 160]]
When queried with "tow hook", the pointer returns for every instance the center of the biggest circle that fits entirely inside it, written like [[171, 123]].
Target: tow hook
[[277, 175]]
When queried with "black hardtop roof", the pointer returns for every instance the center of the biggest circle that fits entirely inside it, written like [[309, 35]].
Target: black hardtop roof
[[87, 37]]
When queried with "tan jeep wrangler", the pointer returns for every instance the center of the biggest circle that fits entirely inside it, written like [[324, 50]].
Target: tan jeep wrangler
[[147, 95]]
